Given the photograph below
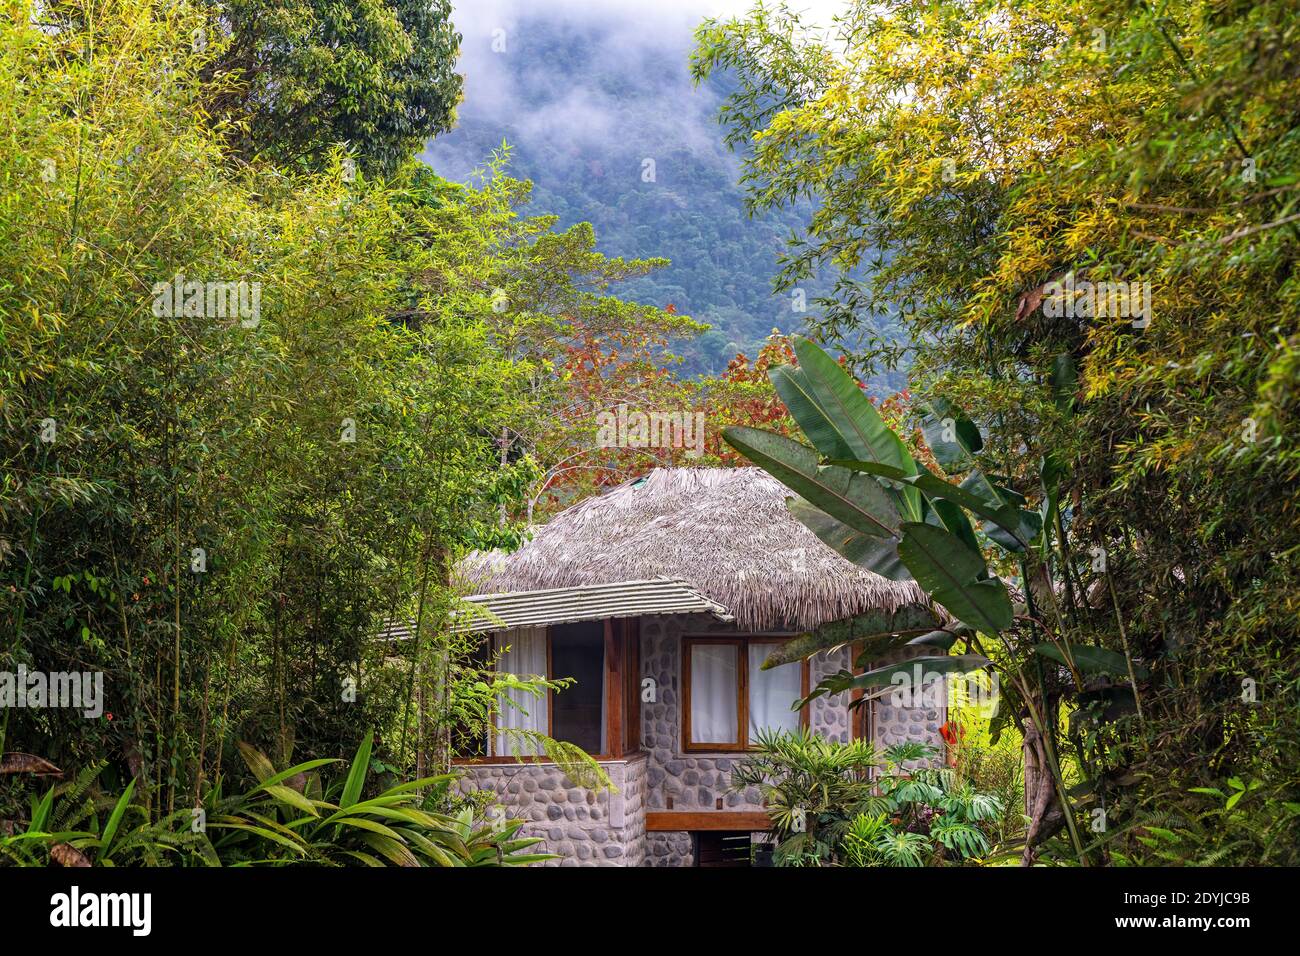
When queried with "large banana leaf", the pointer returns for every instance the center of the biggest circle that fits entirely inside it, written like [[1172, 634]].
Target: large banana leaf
[[837, 416], [976, 494], [884, 676], [791, 383], [853, 498], [945, 514], [942, 639], [877, 631], [1014, 528], [1091, 660], [951, 572], [875, 553]]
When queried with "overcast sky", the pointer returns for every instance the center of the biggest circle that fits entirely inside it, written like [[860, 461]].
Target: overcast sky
[[645, 42], [666, 24]]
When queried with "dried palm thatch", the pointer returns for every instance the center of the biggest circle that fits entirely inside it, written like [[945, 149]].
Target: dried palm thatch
[[724, 531]]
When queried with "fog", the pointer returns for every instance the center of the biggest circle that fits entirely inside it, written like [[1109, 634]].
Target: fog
[[633, 83]]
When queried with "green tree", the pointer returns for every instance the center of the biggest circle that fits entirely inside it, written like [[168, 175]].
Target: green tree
[[376, 76], [994, 162]]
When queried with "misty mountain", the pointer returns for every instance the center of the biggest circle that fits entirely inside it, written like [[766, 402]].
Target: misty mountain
[[602, 116]]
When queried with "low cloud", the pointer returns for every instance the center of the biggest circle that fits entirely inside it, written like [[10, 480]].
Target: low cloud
[[633, 89]]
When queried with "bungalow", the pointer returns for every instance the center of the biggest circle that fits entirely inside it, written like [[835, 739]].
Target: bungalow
[[661, 598]]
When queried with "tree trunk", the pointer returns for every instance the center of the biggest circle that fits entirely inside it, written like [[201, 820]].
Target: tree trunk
[[1041, 803]]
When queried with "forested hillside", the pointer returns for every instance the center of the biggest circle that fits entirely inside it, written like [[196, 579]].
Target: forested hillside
[[607, 124]]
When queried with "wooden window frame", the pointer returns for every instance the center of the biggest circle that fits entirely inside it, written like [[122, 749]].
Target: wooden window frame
[[631, 663], [741, 642], [860, 719], [622, 697]]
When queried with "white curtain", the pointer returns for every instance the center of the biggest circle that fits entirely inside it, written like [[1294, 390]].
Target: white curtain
[[772, 692], [714, 679], [525, 656]]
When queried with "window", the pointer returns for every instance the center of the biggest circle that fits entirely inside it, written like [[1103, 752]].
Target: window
[[729, 698], [631, 665], [523, 651], [599, 711], [578, 711]]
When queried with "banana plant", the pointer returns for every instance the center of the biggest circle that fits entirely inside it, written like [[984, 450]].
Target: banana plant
[[858, 488], [862, 493]]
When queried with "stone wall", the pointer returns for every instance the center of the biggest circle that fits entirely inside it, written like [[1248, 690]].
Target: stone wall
[[894, 725], [584, 827]]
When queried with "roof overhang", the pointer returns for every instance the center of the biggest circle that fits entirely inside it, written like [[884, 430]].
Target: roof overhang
[[590, 602]]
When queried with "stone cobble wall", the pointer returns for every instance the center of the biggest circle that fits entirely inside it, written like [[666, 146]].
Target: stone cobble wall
[[635, 776], [894, 725], [692, 781], [584, 827], [670, 848]]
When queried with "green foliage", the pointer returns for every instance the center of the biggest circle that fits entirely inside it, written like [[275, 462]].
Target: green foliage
[[1242, 822], [334, 823], [221, 507], [583, 105], [289, 817], [376, 77], [971, 154], [835, 804]]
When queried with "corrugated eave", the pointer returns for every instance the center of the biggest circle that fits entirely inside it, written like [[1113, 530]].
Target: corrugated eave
[[593, 602]]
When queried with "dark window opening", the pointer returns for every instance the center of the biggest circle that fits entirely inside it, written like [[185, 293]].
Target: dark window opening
[[469, 737], [631, 629], [722, 848], [578, 711]]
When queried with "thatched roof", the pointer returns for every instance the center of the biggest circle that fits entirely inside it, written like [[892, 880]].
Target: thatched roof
[[724, 531]]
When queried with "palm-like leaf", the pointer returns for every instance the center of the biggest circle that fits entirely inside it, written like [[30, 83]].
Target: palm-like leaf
[[952, 572]]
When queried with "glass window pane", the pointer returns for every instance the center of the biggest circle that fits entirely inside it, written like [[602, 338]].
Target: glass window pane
[[771, 693], [578, 711], [714, 693]]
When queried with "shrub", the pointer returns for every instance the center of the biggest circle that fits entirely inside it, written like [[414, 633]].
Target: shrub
[[836, 804]]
